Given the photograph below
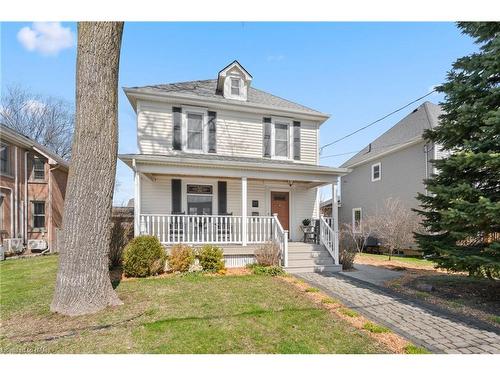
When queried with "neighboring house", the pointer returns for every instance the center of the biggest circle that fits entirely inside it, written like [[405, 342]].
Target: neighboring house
[[222, 162], [33, 185], [394, 165]]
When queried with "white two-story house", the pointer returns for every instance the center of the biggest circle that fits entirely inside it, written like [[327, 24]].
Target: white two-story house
[[222, 162]]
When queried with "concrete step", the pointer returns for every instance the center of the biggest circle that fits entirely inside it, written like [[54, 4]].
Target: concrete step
[[330, 268], [317, 255], [309, 262]]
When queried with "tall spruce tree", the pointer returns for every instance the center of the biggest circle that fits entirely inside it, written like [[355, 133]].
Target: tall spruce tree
[[461, 213]]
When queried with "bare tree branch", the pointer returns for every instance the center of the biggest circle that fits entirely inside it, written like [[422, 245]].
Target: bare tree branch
[[47, 120]]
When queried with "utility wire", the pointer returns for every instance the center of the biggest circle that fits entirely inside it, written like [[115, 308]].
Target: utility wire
[[374, 122], [372, 149]]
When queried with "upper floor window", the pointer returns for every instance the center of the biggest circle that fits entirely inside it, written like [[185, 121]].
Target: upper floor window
[[376, 172], [281, 140], [38, 168], [4, 158], [235, 86], [194, 131]]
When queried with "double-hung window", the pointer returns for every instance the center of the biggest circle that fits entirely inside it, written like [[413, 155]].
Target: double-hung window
[[281, 140], [376, 172], [356, 220], [38, 208], [235, 86], [195, 131], [4, 159], [38, 168]]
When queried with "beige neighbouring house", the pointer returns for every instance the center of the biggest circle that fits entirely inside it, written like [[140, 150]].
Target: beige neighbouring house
[[222, 162], [32, 190]]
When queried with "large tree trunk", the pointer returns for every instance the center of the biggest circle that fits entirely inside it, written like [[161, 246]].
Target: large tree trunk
[[83, 285]]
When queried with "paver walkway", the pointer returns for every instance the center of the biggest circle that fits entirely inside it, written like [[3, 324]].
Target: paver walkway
[[372, 274], [435, 330]]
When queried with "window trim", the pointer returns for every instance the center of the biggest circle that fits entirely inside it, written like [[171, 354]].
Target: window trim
[[288, 123], [8, 171], [33, 174], [213, 195], [354, 210], [204, 129], [379, 165], [238, 80], [33, 227]]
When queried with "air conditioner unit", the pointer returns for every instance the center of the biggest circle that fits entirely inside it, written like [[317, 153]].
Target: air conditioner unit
[[13, 245], [37, 245]]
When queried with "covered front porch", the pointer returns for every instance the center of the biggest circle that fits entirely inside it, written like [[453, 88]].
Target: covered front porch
[[237, 203]]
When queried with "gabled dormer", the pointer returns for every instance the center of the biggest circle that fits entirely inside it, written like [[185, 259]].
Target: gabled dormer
[[233, 82]]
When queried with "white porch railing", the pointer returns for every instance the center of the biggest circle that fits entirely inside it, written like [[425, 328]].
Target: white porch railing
[[280, 236], [329, 238], [215, 229]]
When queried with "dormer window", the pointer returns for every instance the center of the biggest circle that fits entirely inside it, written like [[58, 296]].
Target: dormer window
[[234, 82], [235, 86]]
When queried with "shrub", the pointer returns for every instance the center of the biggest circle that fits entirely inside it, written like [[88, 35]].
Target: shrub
[[211, 258], [259, 269], [121, 234], [143, 256], [268, 254], [347, 251], [181, 258]]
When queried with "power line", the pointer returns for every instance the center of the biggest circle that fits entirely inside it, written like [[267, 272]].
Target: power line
[[372, 149], [374, 122]]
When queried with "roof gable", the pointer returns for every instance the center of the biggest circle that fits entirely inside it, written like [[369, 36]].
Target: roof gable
[[407, 130]]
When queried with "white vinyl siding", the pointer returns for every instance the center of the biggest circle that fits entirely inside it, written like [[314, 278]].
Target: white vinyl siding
[[238, 133]]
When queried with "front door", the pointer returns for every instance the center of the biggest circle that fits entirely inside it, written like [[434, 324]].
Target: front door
[[280, 205]]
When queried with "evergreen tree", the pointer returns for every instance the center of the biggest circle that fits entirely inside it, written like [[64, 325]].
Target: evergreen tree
[[461, 213]]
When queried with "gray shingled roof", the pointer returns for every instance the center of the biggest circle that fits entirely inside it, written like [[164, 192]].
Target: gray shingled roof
[[409, 128], [207, 89]]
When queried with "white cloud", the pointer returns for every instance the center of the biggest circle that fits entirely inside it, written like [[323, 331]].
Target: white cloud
[[34, 105], [275, 57], [48, 38]]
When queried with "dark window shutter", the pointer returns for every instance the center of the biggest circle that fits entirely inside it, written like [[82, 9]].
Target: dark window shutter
[[222, 197], [267, 137], [296, 140], [177, 137], [176, 196], [212, 132]]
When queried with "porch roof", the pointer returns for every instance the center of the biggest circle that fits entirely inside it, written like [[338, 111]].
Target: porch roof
[[232, 166]]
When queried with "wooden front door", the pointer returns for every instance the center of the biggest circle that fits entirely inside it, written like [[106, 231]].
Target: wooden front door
[[280, 205]]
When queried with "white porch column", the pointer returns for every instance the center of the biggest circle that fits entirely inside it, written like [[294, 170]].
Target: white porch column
[[137, 203], [335, 218], [244, 203]]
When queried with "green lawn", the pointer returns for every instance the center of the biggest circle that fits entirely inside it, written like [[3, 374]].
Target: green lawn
[[190, 314], [400, 259]]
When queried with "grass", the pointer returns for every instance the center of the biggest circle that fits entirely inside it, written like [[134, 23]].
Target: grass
[[412, 349], [349, 312], [495, 319], [401, 259], [329, 301], [191, 314], [312, 290], [375, 328]]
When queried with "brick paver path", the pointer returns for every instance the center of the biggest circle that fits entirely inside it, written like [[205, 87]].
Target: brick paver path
[[440, 332]]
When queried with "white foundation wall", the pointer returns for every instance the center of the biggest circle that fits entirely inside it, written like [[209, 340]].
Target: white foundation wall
[[156, 198]]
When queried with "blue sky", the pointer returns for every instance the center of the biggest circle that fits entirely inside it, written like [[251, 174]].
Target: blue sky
[[356, 72]]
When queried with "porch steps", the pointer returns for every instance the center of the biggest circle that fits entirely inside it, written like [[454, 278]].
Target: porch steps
[[307, 257]]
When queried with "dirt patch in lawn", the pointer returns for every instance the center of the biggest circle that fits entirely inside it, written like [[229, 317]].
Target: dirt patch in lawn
[[391, 340], [474, 298]]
